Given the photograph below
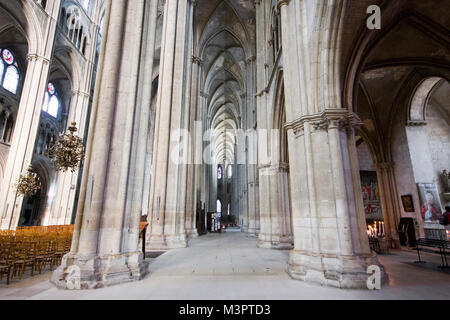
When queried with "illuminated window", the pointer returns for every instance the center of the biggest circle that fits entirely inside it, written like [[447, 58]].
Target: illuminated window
[[84, 4], [51, 102], [219, 173], [9, 77], [230, 172], [219, 206]]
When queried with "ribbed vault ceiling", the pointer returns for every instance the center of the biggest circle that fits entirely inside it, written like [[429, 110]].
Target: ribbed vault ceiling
[[225, 45]]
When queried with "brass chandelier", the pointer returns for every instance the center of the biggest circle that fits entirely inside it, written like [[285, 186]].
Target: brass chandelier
[[68, 152], [28, 184]]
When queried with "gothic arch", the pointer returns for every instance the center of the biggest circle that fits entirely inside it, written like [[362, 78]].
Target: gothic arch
[[369, 40], [420, 97], [25, 20]]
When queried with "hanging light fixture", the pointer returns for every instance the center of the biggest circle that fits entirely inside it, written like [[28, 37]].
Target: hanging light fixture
[[68, 151], [28, 184]]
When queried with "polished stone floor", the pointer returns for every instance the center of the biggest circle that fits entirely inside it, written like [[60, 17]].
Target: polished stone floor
[[229, 266]]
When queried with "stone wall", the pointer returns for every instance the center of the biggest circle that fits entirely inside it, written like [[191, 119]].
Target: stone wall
[[364, 158]]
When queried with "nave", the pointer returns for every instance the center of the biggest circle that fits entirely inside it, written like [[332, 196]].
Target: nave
[[229, 266]]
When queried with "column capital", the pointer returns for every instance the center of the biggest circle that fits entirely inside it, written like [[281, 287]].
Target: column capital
[[340, 119], [282, 3], [35, 57], [197, 60], [383, 165], [80, 93], [250, 60]]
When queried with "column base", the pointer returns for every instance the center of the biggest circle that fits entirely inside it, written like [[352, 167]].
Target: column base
[[344, 272], [251, 232], [162, 243], [192, 233], [274, 242], [83, 273]]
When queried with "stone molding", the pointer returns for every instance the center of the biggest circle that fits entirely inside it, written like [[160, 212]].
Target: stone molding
[[80, 93], [384, 165], [36, 57], [282, 3], [250, 60], [340, 119], [197, 60], [274, 168]]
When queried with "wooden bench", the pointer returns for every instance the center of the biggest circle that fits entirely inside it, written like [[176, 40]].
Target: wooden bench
[[440, 247]]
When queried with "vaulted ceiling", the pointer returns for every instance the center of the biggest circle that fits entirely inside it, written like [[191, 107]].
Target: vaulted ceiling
[[226, 39]]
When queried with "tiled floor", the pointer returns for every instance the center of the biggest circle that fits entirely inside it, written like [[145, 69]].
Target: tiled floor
[[229, 266]]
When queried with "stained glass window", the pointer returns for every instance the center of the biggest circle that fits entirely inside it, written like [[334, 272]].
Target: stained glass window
[[51, 101], [10, 77], [2, 68], [8, 57], [11, 80], [219, 206], [219, 173]]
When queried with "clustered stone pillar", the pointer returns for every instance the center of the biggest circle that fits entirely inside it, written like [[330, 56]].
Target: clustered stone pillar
[[274, 213], [389, 202], [252, 149], [197, 146], [169, 182], [105, 244], [330, 240]]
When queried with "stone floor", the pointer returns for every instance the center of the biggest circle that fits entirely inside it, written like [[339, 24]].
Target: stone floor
[[229, 266]]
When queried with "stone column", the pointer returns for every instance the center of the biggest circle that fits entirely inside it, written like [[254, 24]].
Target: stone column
[[262, 115], [66, 182], [105, 246], [252, 148], [28, 118], [330, 240], [167, 201], [189, 124], [389, 199], [276, 233], [196, 156]]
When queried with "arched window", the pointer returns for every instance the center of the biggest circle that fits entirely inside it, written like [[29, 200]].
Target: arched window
[[2, 68], [219, 206], [219, 173], [51, 101], [10, 76], [84, 4], [2, 123]]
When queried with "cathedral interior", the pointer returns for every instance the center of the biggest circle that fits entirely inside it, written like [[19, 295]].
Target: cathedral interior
[[289, 125]]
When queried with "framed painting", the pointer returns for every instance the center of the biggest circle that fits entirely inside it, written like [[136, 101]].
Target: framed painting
[[408, 203]]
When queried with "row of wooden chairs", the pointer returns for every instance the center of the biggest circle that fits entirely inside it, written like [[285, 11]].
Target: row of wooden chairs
[[33, 249]]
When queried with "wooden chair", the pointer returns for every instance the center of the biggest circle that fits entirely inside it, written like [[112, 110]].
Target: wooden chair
[[23, 257], [5, 264]]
